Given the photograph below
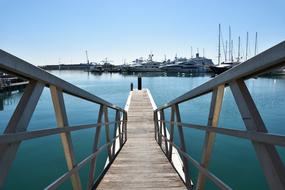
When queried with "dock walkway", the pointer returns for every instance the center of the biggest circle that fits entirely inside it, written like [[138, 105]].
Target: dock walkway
[[141, 163]]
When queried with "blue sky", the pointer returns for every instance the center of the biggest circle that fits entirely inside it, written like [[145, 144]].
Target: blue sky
[[44, 32]]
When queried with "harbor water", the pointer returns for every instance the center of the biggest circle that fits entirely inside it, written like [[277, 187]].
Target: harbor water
[[41, 161]]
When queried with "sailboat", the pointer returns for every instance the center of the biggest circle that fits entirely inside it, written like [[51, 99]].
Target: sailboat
[[226, 65]]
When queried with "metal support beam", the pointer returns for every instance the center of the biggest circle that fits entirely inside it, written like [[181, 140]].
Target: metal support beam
[[61, 119], [215, 109], [117, 119], [172, 118], [267, 155], [125, 119], [182, 147], [95, 148], [19, 123], [107, 132], [162, 117]]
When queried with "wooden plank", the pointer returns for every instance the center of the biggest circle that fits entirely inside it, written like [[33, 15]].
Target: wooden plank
[[141, 163], [267, 154], [214, 114], [61, 119], [19, 123]]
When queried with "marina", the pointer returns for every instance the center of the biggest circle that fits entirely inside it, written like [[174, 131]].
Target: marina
[[142, 95], [160, 131]]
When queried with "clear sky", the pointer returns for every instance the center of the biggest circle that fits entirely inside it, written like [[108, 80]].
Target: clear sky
[[49, 31]]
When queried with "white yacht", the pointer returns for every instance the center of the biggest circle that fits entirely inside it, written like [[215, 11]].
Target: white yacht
[[140, 65], [193, 65]]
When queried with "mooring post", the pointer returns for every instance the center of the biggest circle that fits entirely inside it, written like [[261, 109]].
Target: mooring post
[[139, 82], [132, 86]]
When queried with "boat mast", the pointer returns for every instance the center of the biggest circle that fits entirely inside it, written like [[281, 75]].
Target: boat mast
[[226, 50], [255, 49], [87, 57], [219, 53], [191, 52], [230, 45], [238, 59], [246, 51]]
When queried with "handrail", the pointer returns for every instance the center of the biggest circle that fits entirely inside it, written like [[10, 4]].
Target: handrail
[[263, 142], [263, 62], [16, 130]]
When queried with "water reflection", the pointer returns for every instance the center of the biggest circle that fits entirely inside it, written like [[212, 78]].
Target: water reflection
[[8, 99], [157, 74]]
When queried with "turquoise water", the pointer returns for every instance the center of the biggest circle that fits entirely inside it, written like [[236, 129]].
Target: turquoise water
[[40, 161]]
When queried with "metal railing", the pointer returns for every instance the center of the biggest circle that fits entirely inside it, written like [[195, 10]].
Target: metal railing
[[16, 130], [263, 142]]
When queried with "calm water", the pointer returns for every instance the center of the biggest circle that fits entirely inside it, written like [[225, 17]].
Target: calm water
[[40, 161]]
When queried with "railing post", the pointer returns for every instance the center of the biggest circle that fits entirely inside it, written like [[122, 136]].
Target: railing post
[[215, 109], [125, 118], [117, 123], [107, 131], [120, 129], [182, 147], [162, 118], [171, 133], [160, 129], [19, 123], [267, 154], [95, 147], [155, 119], [62, 121]]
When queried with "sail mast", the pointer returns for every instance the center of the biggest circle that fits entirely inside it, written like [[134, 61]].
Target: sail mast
[[246, 51], [230, 43], [219, 53], [87, 57], [226, 50], [238, 59], [255, 49]]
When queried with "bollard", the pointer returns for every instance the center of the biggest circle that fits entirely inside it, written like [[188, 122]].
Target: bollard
[[139, 82], [132, 86]]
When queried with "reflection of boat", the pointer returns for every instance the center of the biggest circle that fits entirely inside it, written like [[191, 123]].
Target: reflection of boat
[[140, 65], [193, 65]]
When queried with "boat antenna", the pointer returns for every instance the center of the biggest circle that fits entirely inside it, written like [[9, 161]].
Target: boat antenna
[[191, 52], [87, 57], [203, 52], [219, 53], [238, 59], [246, 51], [255, 49]]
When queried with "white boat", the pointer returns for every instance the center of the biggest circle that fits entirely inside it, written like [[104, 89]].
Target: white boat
[[140, 65], [193, 65]]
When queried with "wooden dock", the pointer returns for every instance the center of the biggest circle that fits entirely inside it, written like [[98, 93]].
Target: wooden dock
[[141, 163]]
